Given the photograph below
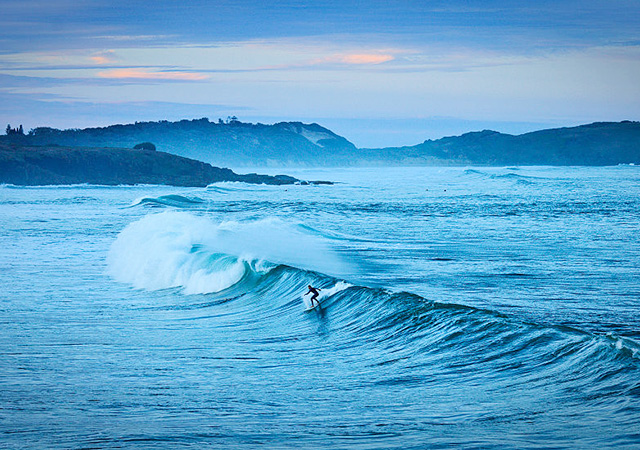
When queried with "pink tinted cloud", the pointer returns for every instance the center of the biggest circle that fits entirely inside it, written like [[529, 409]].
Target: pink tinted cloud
[[364, 58], [106, 57], [100, 59], [124, 74], [337, 59], [354, 58]]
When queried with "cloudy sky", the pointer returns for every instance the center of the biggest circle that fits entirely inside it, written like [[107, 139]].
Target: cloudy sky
[[377, 72]]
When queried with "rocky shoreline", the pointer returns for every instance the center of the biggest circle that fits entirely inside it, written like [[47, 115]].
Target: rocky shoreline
[[53, 165]]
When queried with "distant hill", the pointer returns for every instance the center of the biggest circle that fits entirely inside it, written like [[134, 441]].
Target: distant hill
[[223, 144], [34, 166], [296, 144], [597, 144]]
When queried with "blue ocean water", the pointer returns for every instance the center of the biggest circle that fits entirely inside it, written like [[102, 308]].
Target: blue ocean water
[[461, 308]]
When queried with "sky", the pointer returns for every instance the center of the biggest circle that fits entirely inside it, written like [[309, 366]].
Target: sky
[[379, 73]]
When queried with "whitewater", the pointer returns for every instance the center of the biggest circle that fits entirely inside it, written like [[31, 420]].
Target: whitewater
[[473, 308]]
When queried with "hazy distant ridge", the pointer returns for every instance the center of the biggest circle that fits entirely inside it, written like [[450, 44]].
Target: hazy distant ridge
[[597, 144], [224, 144], [296, 144]]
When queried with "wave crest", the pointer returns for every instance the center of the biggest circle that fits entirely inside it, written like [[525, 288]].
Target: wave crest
[[178, 201], [181, 250]]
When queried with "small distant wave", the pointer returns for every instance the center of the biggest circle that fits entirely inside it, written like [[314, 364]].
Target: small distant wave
[[333, 235], [174, 200], [475, 172], [225, 187], [521, 179], [509, 176]]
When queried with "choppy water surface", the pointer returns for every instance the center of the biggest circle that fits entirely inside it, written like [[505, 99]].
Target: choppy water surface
[[461, 308]]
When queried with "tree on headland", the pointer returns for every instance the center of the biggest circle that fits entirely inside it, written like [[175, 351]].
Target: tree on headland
[[18, 130], [145, 146]]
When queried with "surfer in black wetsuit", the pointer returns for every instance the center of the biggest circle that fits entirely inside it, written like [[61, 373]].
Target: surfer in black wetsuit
[[315, 293]]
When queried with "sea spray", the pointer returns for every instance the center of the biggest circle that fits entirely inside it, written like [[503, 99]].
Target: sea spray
[[179, 249], [327, 292]]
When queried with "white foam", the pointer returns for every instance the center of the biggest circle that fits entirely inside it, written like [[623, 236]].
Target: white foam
[[325, 293], [339, 286], [179, 249]]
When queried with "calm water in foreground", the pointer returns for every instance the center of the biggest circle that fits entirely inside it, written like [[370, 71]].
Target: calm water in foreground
[[462, 308]]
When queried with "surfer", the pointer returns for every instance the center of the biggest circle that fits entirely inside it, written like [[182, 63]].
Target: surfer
[[315, 293]]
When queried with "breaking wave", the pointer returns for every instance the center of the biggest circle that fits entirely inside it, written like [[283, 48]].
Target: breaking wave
[[178, 249], [193, 253], [260, 271]]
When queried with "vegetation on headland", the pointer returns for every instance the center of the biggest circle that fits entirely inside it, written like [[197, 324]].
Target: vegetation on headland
[[145, 146], [54, 165], [222, 143], [14, 131]]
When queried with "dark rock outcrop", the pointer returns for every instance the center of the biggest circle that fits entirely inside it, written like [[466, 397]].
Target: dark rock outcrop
[[53, 165]]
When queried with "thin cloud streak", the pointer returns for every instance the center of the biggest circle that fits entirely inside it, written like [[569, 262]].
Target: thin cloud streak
[[103, 58], [332, 61], [126, 74], [363, 58]]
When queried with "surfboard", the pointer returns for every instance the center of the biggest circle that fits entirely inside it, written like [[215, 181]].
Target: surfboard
[[311, 308]]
